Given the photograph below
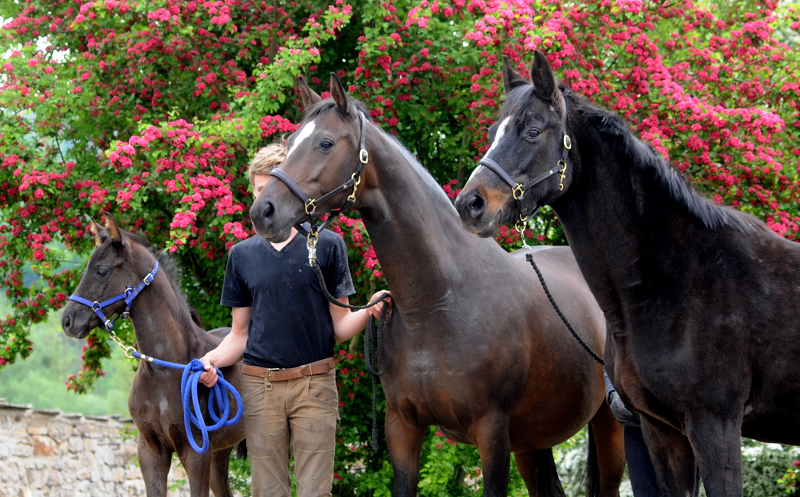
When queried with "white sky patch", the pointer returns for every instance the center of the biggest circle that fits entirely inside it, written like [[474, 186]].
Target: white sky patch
[[305, 132], [501, 130]]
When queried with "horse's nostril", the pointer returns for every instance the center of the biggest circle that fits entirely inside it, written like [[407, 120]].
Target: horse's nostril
[[66, 322], [268, 211], [476, 206]]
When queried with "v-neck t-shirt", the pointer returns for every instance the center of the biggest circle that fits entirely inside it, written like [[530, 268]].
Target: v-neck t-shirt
[[291, 322]]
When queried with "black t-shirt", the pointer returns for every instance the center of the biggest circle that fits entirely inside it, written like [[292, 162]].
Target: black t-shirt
[[291, 322]]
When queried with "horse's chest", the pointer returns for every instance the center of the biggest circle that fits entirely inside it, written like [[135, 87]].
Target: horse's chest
[[149, 400]]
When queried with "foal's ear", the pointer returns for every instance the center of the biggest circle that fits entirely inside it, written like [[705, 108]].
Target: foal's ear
[[113, 230], [307, 95], [338, 94], [511, 78], [100, 233], [544, 83]]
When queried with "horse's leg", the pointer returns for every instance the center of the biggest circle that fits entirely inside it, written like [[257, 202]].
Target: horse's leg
[[608, 454], [405, 444], [155, 467], [717, 445], [672, 457], [491, 437], [198, 470], [219, 473], [538, 470]]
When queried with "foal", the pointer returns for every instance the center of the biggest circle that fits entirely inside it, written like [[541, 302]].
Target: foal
[[164, 329]]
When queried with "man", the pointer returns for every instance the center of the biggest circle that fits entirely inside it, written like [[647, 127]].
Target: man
[[284, 328]]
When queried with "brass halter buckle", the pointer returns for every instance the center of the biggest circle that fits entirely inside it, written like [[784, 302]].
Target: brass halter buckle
[[518, 192], [312, 206]]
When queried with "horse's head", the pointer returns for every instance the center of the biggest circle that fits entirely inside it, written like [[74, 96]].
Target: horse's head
[[526, 165], [117, 263], [322, 167]]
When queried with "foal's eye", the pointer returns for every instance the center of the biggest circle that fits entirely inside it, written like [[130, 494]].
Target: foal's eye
[[102, 272], [533, 133], [326, 145]]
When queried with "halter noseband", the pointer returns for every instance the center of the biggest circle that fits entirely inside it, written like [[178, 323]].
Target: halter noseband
[[518, 190], [129, 294], [311, 203]]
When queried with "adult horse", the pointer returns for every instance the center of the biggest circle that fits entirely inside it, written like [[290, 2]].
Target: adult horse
[[165, 328], [701, 341], [473, 345]]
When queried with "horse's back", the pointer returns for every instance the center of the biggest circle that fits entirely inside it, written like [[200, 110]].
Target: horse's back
[[220, 333]]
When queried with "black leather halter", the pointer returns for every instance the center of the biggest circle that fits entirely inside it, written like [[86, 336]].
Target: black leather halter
[[518, 190], [312, 233]]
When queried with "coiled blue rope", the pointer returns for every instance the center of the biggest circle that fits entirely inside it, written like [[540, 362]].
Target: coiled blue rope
[[217, 399]]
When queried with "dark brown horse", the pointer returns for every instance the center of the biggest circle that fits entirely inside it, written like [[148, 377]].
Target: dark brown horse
[[700, 300], [473, 345], [165, 329]]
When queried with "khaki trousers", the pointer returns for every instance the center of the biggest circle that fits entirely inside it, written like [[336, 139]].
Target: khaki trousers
[[301, 414]]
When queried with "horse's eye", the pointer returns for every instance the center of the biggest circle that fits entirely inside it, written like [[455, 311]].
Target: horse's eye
[[326, 145], [102, 272], [533, 133]]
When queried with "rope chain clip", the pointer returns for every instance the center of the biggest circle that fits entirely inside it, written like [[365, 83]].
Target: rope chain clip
[[357, 181], [311, 244], [126, 348]]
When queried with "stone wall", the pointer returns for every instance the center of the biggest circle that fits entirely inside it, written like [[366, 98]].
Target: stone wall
[[46, 453]]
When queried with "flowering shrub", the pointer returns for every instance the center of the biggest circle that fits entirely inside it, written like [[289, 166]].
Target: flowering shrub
[[151, 110]]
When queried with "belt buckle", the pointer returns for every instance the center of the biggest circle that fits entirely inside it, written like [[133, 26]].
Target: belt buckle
[[269, 373]]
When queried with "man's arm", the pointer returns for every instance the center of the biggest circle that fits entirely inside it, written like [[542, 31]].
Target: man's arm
[[231, 349], [347, 324]]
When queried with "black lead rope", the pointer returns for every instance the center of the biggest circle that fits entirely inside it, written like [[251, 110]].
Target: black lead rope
[[373, 344], [529, 258]]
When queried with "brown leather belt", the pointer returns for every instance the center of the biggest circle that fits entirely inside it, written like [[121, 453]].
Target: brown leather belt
[[284, 374]]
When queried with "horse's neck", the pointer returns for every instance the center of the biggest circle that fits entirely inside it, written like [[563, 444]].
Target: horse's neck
[[162, 330], [414, 228], [624, 229]]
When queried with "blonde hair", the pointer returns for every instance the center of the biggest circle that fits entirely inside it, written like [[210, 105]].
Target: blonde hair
[[266, 159]]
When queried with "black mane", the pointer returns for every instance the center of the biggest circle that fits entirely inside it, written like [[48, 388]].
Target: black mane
[[643, 155], [171, 267]]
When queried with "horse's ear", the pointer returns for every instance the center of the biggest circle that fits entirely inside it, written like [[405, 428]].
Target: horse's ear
[[338, 94], [307, 95], [544, 83], [511, 78], [113, 230], [100, 233]]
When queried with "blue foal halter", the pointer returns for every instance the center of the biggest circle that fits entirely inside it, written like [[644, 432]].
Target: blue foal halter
[[129, 294]]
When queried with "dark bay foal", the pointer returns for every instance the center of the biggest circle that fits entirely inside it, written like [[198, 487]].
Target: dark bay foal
[[165, 329]]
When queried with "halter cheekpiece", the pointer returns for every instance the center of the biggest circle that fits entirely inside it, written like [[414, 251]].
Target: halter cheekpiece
[[518, 190], [130, 293], [311, 203]]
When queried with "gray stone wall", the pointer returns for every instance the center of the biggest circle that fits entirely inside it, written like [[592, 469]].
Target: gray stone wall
[[46, 453]]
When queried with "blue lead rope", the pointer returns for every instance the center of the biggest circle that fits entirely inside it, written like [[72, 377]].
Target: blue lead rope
[[217, 399]]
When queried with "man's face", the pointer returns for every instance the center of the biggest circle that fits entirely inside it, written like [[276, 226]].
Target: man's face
[[259, 182]]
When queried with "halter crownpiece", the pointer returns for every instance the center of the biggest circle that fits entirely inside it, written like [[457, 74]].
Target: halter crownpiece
[[311, 204], [518, 190]]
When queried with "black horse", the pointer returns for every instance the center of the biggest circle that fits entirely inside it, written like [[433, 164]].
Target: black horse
[[473, 345], [700, 300]]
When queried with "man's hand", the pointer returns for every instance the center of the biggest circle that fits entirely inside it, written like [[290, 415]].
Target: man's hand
[[209, 377], [375, 310]]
